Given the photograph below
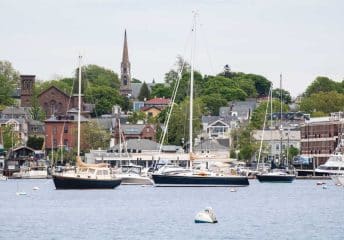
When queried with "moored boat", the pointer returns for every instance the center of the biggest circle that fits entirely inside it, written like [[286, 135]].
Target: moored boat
[[276, 176]]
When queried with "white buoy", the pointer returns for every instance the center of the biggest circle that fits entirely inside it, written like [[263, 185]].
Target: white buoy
[[206, 216], [233, 190], [35, 188], [324, 187]]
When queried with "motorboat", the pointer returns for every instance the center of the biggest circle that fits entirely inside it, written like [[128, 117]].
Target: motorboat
[[134, 175], [334, 165], [206, 216], [32, 173]]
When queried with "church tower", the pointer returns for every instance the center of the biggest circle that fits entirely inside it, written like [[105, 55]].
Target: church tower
[[27, 87], [125, 88]]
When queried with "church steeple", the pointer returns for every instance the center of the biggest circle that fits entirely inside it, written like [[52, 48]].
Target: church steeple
[[125, 70]]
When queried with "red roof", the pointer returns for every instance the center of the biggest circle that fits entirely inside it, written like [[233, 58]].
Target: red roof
[[145, 108], [158, 101]]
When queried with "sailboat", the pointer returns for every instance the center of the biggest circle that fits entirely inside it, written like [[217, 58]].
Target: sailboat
[[85, 176], [275, 174], [182, 177]]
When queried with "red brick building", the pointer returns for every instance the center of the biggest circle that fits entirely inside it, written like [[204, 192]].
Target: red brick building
[[61, 131], [320, 137], [135, 131], [56, 102]]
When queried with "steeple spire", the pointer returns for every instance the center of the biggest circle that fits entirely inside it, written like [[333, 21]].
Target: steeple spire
[[125, 88], [125, 55]]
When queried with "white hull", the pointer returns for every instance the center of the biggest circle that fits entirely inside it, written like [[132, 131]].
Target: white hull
[[136, 180], [32, 174]]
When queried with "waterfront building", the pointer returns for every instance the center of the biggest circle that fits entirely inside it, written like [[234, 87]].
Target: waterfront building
[[320, 137], [276, 142]]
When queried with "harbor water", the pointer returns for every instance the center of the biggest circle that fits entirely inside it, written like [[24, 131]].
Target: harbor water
[[298, 210]]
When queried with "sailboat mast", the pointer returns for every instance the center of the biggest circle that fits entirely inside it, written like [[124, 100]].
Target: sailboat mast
[[79, 106], [191, 87]]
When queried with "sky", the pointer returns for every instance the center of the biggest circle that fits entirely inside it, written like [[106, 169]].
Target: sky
[[300, 39]]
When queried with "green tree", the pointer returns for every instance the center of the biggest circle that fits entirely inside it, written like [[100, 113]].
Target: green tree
[[10, 137], [258, 115], [160, 90], [322, 103], [100, 76], [213, 102], [6, 90], [179, 123], [292, 152], [286, 98], [36, 112], [136, 116], [134, 80], [9, 73], [35, 142], [104, 99], [144, 92], [323, 84], [94, 137]]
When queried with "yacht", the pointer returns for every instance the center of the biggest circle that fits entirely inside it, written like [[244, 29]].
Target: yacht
[[334, 165], [134, 175]]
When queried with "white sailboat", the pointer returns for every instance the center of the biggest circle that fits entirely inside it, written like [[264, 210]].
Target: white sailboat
[[166, 177]]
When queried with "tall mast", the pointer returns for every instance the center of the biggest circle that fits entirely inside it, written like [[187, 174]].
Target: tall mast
[[79, 106], [191, 87]]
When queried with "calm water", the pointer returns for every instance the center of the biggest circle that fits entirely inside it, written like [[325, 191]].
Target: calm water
[[301, 210]]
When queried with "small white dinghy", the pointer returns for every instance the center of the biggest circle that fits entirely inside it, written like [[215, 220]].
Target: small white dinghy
[[35, 188], [206, 216]]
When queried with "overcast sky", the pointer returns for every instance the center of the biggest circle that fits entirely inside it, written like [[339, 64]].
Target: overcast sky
[[301, 39]]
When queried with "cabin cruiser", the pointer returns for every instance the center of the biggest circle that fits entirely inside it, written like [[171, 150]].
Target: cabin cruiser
[[134, 175], [334, 165]]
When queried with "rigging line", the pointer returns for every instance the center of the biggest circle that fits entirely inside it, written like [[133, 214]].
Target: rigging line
[[64, 122], [174, 93], [262, 138]]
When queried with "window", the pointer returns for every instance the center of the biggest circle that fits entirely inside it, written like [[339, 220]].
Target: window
[[54, 130], [65, 142], [55, 142], [65, 130], [277, 146]]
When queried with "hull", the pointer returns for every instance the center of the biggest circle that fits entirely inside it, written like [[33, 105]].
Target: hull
[[275, 178], [161, 180], [63, 182], [136, 181]]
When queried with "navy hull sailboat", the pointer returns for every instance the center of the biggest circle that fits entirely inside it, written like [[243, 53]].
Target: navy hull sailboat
[[85, 176], [190, 177]]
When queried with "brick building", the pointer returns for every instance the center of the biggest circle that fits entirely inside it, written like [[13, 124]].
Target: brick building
[[27, 85], [56, 102], [135, 131], [61, 131], [320, 137]]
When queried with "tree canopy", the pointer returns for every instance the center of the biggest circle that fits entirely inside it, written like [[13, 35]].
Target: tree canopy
[[9, 79], [144, 92]]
